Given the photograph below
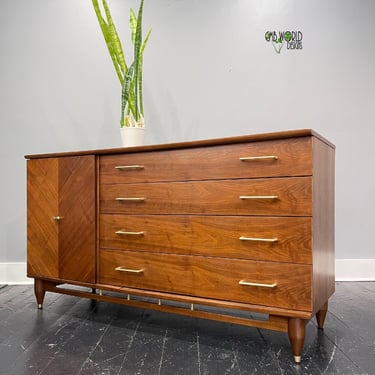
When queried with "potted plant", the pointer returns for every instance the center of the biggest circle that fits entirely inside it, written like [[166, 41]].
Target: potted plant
[[130, 76]]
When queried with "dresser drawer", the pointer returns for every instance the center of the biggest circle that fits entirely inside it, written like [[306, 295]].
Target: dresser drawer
[[289, 157], [273, 284], [272, 196], [261, 238]]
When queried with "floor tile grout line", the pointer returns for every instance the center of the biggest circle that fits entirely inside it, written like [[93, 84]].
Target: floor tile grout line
[[198, 354], [235, 359], [342, 352], [39, 338], [348, 327], [26, 350], [72, 335], [162, 351], [130, 343], [95, 346]]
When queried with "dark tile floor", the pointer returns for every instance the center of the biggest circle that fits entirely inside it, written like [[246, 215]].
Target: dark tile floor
[[76, 336]]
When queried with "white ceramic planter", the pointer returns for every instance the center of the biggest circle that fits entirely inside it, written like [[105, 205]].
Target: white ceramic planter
[[132, 136]]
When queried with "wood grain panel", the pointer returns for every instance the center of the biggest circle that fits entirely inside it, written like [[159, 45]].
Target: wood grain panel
[[211, 277], [211, 197], [180, 214], [323, 223], [210, 236], [42, 205], [77, 228], [220, 162]]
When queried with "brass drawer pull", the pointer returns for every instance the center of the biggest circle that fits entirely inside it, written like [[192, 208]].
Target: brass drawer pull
[[252, 158], [121, 232], [57, 218], [129, 167], [129, 270], [248, 283], [259, 196], [123, 199], [258, 239]]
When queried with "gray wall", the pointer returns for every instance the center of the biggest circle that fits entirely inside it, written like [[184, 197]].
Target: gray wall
[[208, 73]]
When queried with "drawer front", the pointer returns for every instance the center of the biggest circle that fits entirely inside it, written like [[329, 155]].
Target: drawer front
[[273, 196], [288, 157], [245, 237], [272, 284]]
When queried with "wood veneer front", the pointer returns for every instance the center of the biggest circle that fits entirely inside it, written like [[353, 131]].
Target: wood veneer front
[[242, 223], [264, 238], [276, 196], [210, 277], [62, 188], [211, 163]]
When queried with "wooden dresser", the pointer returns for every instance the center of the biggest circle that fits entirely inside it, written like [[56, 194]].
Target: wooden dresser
[[237, 229]]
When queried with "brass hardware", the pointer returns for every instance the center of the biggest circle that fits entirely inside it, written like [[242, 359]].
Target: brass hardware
[[121, 232], [248, 283], [123, 269], [57, 218], [130, 199], [258, 239], [100, 292], [297, 359], [129, 167], [192, 307], [128, 297], [159, 302], [252, 158], [259, 196]]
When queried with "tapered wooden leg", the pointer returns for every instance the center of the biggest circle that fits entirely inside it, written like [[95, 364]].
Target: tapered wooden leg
[[296, 333], [321, 315], [39, 292]]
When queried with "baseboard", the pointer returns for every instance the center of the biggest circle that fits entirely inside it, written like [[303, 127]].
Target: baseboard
[[355, 269], [14, 273], [346, 270]]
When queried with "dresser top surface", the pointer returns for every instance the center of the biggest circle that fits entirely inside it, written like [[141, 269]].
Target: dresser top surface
[[191, 144]]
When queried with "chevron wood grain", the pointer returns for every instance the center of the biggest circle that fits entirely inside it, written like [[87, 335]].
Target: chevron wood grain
[[63, 188], [42, 205], [77, 228]]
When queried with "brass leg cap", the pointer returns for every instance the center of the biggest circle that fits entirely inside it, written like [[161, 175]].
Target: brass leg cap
[[40, 306], [297, 358]]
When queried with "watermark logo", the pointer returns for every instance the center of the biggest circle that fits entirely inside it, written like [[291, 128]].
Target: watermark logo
[[292, 39]]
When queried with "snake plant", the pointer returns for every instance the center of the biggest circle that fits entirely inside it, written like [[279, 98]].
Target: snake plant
[[130, 77]]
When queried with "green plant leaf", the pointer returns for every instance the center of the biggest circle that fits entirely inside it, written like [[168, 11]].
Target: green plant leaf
[[126, 91], [105, 30], [131, 82], [114, 39], [133, 24], [140, 75], [137, 48]]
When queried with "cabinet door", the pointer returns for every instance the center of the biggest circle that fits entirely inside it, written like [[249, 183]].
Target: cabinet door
[[42, 230], [61, 218]]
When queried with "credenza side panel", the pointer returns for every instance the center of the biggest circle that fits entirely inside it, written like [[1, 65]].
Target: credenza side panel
[[323, 230]]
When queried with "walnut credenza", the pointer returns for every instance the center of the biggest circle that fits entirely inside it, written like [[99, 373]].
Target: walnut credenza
[[206, 228]]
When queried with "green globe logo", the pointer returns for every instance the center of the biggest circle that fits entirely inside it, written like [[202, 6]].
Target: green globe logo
[[288, 36], [268, 36]]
